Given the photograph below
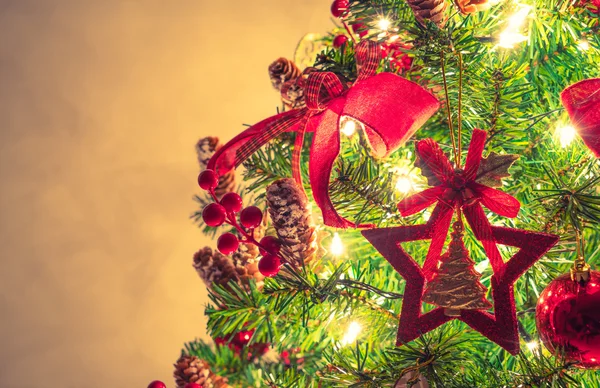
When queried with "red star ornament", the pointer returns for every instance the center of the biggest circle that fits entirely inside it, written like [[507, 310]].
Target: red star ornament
[[499, 327]]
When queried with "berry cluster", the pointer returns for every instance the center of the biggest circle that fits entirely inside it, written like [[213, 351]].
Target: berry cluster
[[224, 212], [340, 9]]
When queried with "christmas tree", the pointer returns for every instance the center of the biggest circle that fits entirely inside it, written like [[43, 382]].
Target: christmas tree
[[407, 115], [456, 285]]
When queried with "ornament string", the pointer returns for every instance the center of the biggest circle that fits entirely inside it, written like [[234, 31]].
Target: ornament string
[[580, 272], [448, 111], [349, 31]]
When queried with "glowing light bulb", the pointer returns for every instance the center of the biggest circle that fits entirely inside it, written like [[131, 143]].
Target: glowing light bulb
[[384, 24], [348, 127], [354, 329], [583, 45], [337, 246], [532, 346], [511, 35], [566, 135], [404, 184]]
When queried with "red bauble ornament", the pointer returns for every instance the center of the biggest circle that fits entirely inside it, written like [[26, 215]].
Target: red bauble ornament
[[214, 214], [339, 41], [192, 385], [208, 179], [251, 217], [232, 202], [568, 319], [157, 384], [582, 102], [269, 265], [339, 8], [228, 243], [271, 245]]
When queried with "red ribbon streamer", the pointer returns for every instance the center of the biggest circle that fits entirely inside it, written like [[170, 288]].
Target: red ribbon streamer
[[389, 107], [458, 189]]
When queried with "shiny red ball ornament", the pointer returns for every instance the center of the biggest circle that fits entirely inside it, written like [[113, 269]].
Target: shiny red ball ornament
[[269, 265], [339, 41], [339, 8], [568, 319], [232, 202], [251, 217], [271, 245], [214, 214], [228, 243], [157, 384], [192, 385], [208, 179]]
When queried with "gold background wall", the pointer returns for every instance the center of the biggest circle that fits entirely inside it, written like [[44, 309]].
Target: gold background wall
[[101, 102]]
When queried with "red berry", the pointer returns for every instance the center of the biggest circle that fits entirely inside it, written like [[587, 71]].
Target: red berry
[[360, 29], [339, 41], [208, 179], [269, 265], [271, 245], [214, 214], [251, 217], [228, 243], [242, 338], [157, 384], [339, 8], [192, 385], [232, 202]]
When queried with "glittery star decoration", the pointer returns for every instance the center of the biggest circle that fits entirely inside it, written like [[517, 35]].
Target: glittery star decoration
[[501, 326]]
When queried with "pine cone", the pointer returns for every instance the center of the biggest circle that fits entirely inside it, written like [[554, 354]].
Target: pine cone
[[472, 6], [292, 91], [191, 369], [292, 220], [433, 10], [281, 71], [246, 260], [215, 268], [205, 149]]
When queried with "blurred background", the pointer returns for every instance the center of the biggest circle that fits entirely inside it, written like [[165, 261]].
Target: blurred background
[[101, 103]]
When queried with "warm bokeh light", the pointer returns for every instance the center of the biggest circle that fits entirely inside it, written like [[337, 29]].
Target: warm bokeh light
[[354, 329], [566, 135], [583, 45], [404, 184], [337, 246], [348, 127], [533, 346], [383, 24], [511, 35]]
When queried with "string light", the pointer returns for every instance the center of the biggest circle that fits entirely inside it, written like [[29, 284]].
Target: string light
[[583, 45], [532, 346], [404, 184], [337, 246], [384, 24], [511, 35], [348, 127], [354, 329], [566, 135]]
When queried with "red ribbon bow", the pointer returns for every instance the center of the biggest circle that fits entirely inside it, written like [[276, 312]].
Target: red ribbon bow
[[458, 189], [390, 108]]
